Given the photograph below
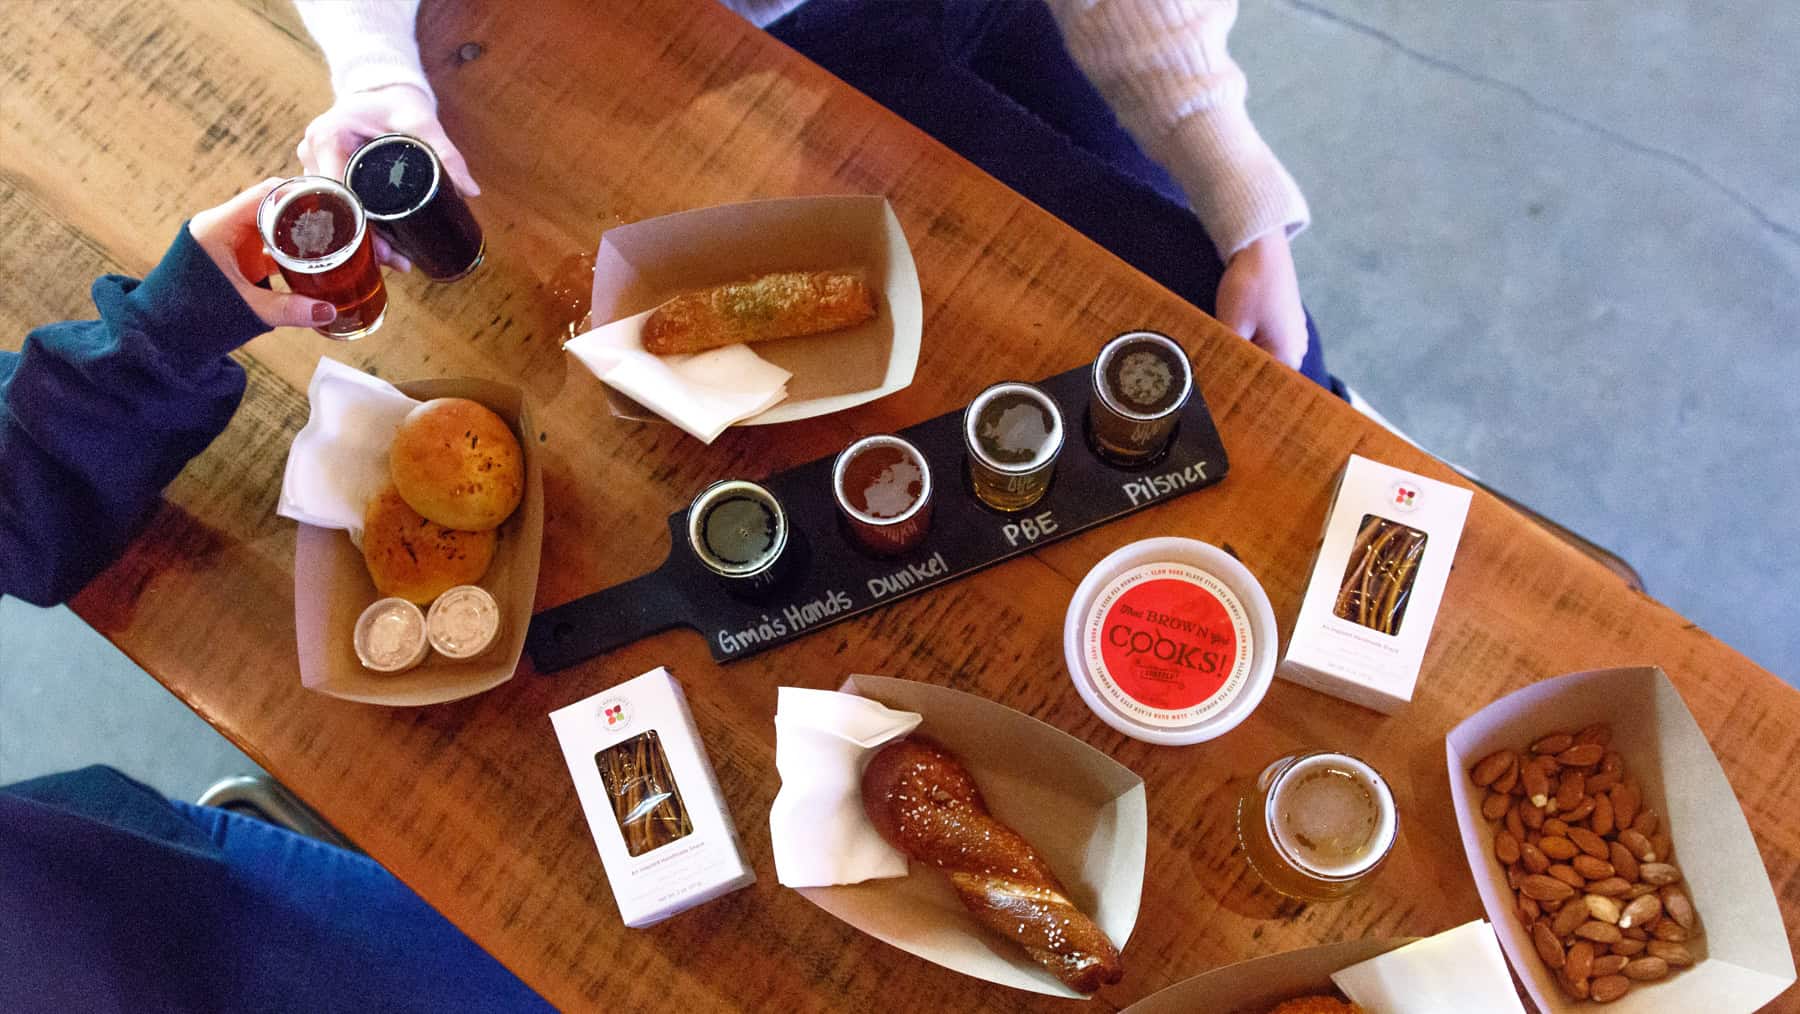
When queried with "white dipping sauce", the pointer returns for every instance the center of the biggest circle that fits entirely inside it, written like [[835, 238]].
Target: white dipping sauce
[[463, 622]]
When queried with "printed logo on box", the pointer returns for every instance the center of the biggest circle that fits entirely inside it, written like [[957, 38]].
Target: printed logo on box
[[616, 712], [1405, 496]]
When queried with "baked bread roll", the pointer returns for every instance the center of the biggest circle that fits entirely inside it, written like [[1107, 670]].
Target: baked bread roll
[[785, 304], [1316, 1005], [458, 463], [922, 800], [417, 559]]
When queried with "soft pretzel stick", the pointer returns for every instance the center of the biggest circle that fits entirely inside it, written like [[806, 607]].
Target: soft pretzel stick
[[922, 800], [785, 304]]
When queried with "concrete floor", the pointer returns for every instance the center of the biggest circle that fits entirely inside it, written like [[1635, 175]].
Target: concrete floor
[[1557, 243]]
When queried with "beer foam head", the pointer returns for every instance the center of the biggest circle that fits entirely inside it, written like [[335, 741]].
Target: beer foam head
[[1014, 427]]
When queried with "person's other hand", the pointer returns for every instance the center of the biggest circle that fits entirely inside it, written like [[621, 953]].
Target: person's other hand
[[336, 133], [229, 236], [1259, 298]]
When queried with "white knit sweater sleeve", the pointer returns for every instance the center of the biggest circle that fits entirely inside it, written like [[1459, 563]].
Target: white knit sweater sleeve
[[1163, 67], [367, 43]]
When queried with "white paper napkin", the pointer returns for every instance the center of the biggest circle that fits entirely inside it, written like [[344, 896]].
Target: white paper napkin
[[340, 458], [820, 834], [701, 393], [1458, 970]]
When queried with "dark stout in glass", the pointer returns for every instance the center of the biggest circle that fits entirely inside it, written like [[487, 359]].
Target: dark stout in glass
[[737, 530], [1141, 382], [317, 234], [414, 205]]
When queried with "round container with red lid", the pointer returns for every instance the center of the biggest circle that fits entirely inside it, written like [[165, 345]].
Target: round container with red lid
[[1171, 641]]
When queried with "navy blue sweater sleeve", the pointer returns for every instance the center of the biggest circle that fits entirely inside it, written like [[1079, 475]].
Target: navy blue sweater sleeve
[[96, 417]]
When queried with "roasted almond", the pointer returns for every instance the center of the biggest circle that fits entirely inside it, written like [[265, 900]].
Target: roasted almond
[[1646, 969], [1536, 782], [1570, 790], [1638, 890], [1591, 868], [1608, 988], [1579, 963], [1623, 861], [1611, 887], [1599, 732], [1494, 806], [1625, 803], [1567, 918], [1545, 888], [1585, 755], [1548, 947], [1506, 848], [1636, 932], [1602, 821], [1679, 908], [1599, 932], [1609, 964], [1664, 848], [1492, 767], [1669, 930], [1602, 908], [1602, 781], [1532, 815], [1640, 911], [1534, 858], [1554, 743], [1587, 841], [1675, 954], [1629, 947], [1508, 780], [1581, 810], [1646, 823], [1568, 875], [1513, 824], [1612, 763], [1558, 847], [1577, 988], [1529, 911], [1637, 843], [1660, 874]]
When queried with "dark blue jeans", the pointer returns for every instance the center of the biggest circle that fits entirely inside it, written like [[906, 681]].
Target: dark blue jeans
[[992, 80], [112, 898]]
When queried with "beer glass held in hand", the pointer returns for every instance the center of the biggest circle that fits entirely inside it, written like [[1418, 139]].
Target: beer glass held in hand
[[318, 235], [415, 207]]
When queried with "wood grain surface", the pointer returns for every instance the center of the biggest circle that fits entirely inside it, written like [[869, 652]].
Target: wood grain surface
[[120, 119]]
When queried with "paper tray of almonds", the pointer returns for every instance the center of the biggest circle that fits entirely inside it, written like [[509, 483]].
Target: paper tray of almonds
[[1610, 852]]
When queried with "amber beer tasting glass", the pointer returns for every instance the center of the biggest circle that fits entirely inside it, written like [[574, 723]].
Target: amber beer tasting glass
[[318, 235], [1317, 825], [409, 197]]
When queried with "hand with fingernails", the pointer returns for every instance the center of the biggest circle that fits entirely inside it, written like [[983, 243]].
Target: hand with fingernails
[[354, 118], [229, 236], [1259, 298]]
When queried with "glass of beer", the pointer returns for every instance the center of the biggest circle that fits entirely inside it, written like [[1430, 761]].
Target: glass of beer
[[1013, 432], [317, 234], [739, 531], [883, 490], [415, 206], [1316, 825], [1142, 380]]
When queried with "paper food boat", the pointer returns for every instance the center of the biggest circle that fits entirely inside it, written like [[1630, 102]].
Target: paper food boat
[[644, 264], [1081, 809], [1256, 985], [332, 585], [1742, 954]]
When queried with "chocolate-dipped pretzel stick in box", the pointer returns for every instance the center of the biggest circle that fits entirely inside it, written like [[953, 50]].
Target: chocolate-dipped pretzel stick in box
[[1389, 539]]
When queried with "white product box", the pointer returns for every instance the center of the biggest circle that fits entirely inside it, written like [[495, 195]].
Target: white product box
[[665, 837], [1389, 539]]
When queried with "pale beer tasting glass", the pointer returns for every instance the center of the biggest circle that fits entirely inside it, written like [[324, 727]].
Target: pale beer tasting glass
[[317, 234], [1013, 432], [1142, 381], [1316, 826]]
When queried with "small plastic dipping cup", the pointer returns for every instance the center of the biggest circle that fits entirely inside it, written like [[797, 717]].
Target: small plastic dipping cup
[[1013, 432], [1316, 825], [390, 636], [1142, 380], [738, 530], [463, 622], [318, 234], [883, 488]]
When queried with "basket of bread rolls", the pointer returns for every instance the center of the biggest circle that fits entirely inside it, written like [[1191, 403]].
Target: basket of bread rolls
[[432, 603]]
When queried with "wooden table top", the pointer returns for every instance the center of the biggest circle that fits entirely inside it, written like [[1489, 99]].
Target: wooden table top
[[120, 119]]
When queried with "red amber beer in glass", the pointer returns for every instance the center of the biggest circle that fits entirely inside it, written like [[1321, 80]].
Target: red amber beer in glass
[[317, 233], [409, 197]]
